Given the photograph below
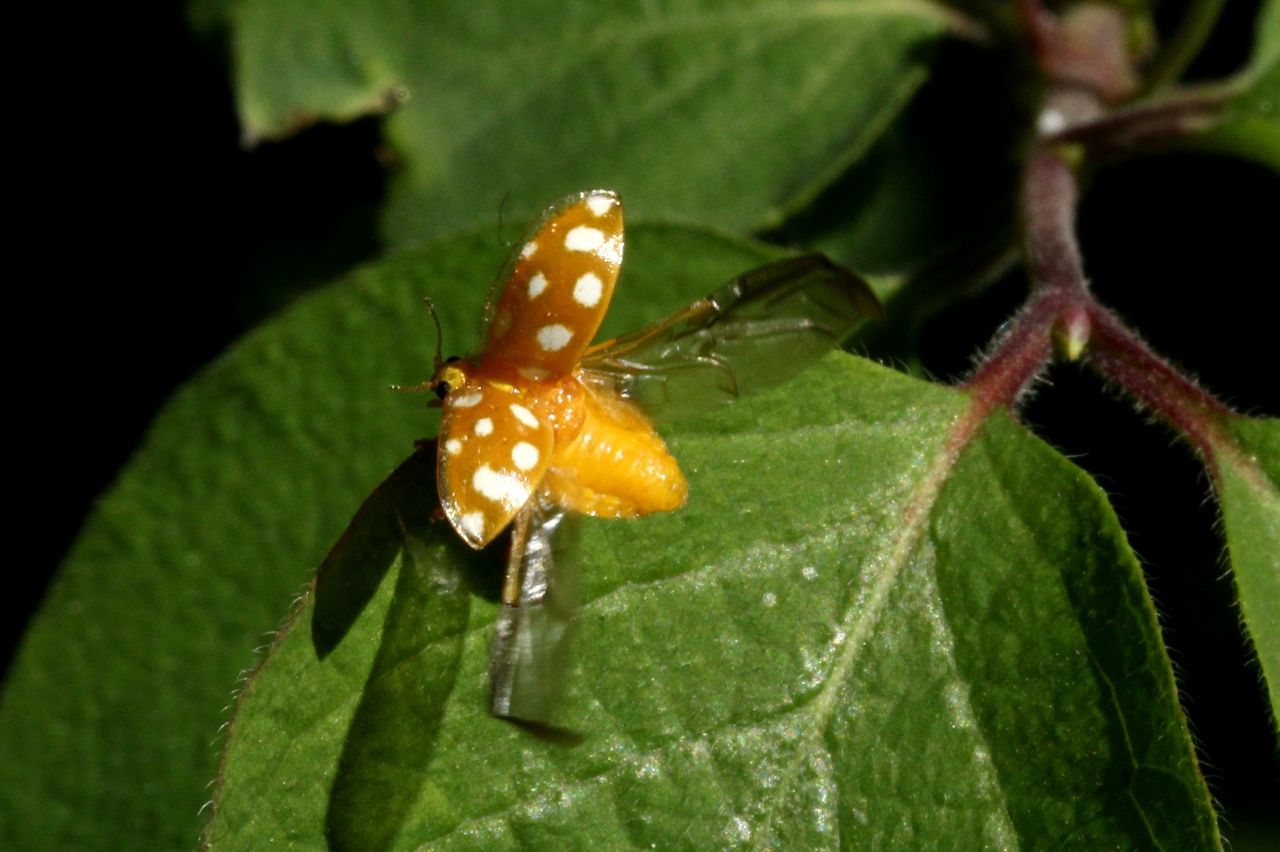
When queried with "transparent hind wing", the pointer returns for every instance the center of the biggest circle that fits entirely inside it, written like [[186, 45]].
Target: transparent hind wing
[[532, 636], [757, 331]]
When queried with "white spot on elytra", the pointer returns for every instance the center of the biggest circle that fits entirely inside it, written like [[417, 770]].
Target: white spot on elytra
[[583, 238], [525, 455], [472, 523], [588, 289], [484, 426], [524, 415], [493, 485], [465, 401], [533, 374], [770, 599], [600, 204], [553, 338], [537, 284], [529, 248], [453, 446]]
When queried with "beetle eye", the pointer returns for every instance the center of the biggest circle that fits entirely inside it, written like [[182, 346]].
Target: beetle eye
[[442, 389]]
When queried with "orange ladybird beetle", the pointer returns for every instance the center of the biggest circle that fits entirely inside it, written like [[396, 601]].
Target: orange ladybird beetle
[[537, 424]]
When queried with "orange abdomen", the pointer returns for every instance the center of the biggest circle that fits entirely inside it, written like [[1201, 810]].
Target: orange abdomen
[[617, 466]]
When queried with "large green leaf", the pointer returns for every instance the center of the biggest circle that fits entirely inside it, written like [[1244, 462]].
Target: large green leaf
[[732, 112], [854, 620], [1248, 478], [849, 624], [109, 717], [858, 616]]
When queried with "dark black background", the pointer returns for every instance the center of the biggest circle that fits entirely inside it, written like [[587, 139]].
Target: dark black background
[[148, 239]]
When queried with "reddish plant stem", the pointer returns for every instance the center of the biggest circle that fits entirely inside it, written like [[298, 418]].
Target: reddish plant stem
[[1117, 353], [1020, 353], [1062, 304], [1149, 125], [1049, 198], [1061, 307], [1039, 25]]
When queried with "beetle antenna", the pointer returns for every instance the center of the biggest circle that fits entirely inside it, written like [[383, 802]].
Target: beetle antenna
[[435, 318], [439, 356]]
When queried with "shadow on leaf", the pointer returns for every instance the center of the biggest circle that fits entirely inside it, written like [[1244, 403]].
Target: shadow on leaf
[[352, 571], [393, 733]]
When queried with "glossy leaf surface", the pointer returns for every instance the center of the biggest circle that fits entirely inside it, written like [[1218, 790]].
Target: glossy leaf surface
[[782, 666], [110, 714], [849, 623]]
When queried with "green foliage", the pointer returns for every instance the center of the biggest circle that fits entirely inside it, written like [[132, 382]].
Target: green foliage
[[1249, 493], [888, 617], [244, 482], [1251, 127], [1265, 65], [842, 628], [540, 100]]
